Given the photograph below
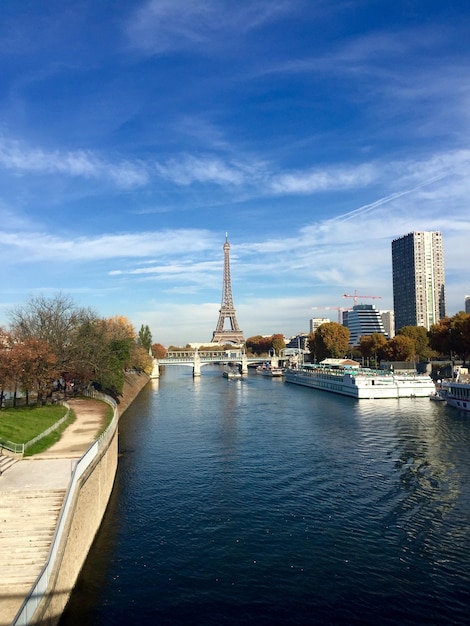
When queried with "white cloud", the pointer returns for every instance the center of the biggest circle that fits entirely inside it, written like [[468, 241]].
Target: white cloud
[[43, 247], [17, 157], [324, 179], [190, 169]]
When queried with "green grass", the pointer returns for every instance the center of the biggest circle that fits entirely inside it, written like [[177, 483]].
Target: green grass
[[22, 424]]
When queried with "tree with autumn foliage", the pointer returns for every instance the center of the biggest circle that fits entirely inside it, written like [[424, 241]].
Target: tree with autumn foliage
[[460, 334], [330, 340], [158, 351], [54, 320], [419, 335], [80, 346], [261, 345], [451, 336], [372, 346], [39, 367], [400, 348]]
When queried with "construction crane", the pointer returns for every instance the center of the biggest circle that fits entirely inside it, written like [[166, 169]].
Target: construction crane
[[356, 296], [340, 309]]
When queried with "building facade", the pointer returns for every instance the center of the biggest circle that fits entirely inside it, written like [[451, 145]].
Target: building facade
[[315, 322], [467, 304], [418, 279], [364, 319], [388, 320]]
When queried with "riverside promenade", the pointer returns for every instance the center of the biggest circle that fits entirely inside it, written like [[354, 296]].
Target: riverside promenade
[[32, 492]]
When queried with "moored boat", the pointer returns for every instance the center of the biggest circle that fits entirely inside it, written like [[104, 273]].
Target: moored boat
[[361, 383], [456, 394], [268, 370]]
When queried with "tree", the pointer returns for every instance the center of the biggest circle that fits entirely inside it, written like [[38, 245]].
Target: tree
[[145, 338], [53, 320], [372, 346], [420, 337], [278, 343], [400, 348], [102, 352], [331, 340], [39, 367], [451, 336], [6, 380], [440, 336], [262, 345], [141, 359], [460, 334], [158, 351]]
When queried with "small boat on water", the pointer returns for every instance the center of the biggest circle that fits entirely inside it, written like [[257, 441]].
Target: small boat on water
[[361, 383], [268, 370], [231, 373]]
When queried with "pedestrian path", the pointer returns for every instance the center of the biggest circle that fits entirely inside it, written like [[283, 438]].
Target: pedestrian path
[[31, 496]]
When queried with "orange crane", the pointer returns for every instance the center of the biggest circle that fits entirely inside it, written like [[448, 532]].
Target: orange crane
[[340, 309], [356, 296]]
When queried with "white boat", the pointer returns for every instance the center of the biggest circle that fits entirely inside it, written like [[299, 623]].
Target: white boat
[[361, 383], [268, 370], [456, 394]]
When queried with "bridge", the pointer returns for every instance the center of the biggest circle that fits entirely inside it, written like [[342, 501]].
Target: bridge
[[197, 359]]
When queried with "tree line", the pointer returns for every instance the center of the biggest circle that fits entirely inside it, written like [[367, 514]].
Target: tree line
[[52, 341], [450, 337]]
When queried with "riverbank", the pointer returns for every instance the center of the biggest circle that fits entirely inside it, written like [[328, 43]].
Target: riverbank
[[32, 492]]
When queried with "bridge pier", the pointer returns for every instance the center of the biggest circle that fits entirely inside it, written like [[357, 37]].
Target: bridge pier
[[196, 364], [156, 369], [244, 364]]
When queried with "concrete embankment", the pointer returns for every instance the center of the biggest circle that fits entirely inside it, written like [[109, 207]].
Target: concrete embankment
[[27, 484]]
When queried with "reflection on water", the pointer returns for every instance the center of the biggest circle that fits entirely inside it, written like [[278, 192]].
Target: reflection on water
[[252, 501]]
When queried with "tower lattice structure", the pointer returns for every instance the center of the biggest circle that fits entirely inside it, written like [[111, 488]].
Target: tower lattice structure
[[227, 309]]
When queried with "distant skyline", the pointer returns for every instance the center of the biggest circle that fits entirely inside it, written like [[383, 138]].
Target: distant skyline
[[134, 135]]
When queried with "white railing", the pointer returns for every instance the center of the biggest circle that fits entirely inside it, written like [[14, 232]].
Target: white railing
[[35, 596]]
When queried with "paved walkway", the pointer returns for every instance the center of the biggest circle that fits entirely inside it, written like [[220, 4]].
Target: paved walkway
[[31, 496]]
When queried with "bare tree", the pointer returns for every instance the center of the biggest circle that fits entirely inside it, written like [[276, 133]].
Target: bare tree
[[54, 320]]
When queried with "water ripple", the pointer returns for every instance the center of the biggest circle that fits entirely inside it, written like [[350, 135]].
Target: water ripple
[[259, 502]]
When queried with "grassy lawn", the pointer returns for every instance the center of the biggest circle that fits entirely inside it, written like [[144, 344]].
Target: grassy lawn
[[24, 423]]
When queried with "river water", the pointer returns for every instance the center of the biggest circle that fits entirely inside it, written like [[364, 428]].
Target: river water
[[260, 502]]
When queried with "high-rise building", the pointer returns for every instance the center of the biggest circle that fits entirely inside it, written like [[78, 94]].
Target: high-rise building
[[388, 320], [364, 319], [418, 279], [467, 304], [315, 322]]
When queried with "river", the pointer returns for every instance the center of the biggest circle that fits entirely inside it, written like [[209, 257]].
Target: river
[[260, 502]]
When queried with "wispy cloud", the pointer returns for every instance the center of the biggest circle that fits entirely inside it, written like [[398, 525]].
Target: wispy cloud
[[323, 179], [43, 247], [189, 169], [20, 158], [170, 25]]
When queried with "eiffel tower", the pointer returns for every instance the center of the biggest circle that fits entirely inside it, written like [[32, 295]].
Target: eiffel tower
[[227, 310]]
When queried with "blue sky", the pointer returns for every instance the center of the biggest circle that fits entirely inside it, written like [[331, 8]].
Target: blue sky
[[135, 134]]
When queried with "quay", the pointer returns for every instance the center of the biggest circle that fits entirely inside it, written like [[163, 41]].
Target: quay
[[32, 498]]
